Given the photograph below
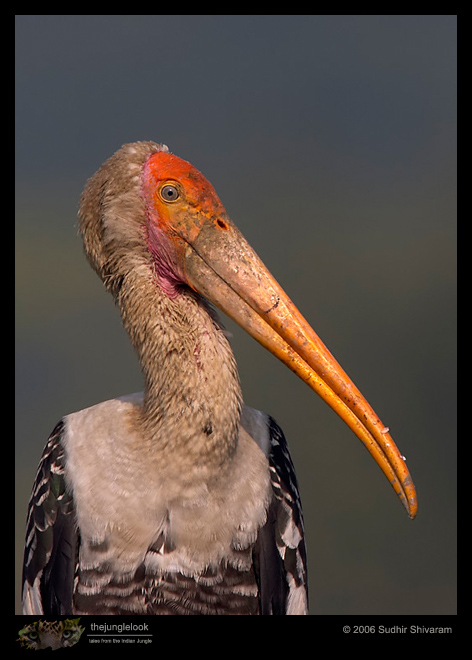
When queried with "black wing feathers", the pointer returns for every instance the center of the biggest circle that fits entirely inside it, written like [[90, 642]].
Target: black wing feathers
[[280, 554], [51, 536]]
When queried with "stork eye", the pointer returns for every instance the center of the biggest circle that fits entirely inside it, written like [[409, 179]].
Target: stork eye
[[169, 193]]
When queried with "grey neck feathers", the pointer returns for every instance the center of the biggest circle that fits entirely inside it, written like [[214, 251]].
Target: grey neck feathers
[[192, 403]]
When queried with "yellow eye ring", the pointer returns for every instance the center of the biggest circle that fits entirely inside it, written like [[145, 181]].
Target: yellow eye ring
[[169, 193]]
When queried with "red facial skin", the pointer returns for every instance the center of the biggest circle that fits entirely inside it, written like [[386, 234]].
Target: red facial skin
[[168, 221]]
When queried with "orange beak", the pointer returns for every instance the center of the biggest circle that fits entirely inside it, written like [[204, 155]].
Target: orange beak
[[216, 261], [221, 265]]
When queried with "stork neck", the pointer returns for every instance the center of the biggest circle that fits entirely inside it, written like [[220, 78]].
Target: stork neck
[[192, 397]]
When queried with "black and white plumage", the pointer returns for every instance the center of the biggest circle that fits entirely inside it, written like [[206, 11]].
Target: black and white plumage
[[274, 584], [181, 499]]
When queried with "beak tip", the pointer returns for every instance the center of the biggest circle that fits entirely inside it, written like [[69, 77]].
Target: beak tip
[[410, 500], [413, 510], [406, 492]]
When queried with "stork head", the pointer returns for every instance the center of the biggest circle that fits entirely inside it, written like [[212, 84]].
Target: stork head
[[147, 207]]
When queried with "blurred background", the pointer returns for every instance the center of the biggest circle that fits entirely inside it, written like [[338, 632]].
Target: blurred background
[[331, 140]]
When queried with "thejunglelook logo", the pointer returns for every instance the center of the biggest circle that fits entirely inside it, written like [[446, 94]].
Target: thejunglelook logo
[[51, 634]]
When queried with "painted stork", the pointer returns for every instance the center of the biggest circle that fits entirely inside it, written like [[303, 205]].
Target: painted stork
[[181, 499]]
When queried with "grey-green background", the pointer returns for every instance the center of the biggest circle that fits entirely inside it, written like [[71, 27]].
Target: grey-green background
[[332, 142]]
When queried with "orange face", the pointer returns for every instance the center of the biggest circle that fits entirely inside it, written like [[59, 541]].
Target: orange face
[[179, 202], [176, 191]]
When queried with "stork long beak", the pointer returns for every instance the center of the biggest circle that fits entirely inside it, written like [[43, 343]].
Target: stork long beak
[[221, 265]]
